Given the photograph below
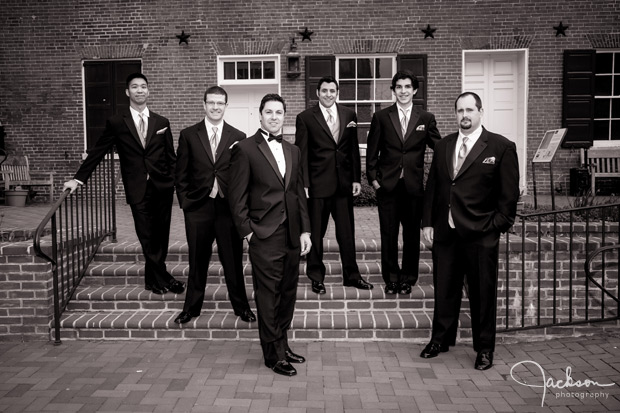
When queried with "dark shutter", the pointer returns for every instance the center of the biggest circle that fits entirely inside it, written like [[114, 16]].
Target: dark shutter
[[104, 83], [578, 98], [416, 63], [316, 68]]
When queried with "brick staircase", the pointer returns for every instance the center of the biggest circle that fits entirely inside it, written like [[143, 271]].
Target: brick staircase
[[111, 302]]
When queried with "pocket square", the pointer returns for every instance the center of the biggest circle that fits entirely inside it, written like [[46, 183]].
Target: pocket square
[[420, 127], [159, 132], [352, 124], [234, 143], [490, 160]]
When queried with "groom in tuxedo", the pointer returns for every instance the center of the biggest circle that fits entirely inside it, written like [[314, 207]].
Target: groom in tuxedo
[[268, 202]]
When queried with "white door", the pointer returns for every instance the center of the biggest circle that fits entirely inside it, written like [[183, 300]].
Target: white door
[[499, 78], [243, 103]]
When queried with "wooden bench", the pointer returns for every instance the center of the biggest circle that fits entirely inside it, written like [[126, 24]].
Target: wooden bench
[[16, 172], [603, 163]]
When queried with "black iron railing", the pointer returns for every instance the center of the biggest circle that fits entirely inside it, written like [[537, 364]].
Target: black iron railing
[[544, 282], [79, 223]]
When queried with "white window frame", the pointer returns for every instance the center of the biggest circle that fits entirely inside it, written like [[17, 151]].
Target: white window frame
[[615, 77], [247, 58]]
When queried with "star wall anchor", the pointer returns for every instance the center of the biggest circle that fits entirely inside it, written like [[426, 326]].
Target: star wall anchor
[[560, 30], [428, 32], [183, 37], [306, 35]]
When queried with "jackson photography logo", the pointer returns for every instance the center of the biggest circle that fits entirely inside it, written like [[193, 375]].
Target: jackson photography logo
[[566, 387]]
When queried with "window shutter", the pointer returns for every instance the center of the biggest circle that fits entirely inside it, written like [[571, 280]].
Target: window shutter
[[416, 63], [578, 98], [316, 68]]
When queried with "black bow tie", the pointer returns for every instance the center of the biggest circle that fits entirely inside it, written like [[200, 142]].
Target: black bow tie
[[276, 137]]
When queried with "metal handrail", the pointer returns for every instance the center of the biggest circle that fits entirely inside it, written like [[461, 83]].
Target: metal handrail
[[586, 267], [80, 221]]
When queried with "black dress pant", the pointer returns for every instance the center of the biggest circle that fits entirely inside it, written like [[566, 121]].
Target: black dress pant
[[341, 209], [151, 218], [398, 208], [213, 221], [275, 273], [455, 258]]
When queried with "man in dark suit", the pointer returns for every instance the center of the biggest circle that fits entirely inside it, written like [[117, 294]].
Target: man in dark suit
[[144, 143], [471, 198], [398, 138], [327, 137], [203, 160], [268, 202]]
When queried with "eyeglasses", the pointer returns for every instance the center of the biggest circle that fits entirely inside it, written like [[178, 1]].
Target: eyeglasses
[[218, 104]]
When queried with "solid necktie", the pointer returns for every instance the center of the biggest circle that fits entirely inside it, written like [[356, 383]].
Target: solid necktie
[[142, 131], [278, 138], [461, 156], [216, 188], [403, 122], [332, 124]]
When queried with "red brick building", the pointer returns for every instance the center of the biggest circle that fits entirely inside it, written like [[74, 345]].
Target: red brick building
[[63, 64]]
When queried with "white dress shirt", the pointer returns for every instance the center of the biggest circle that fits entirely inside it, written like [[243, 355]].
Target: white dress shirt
[[276, 149], [136, 118]]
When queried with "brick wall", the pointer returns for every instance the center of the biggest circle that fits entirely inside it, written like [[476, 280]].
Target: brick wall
[[44, 43]]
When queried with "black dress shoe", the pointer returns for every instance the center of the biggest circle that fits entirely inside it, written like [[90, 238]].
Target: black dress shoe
[[184, 317], [391, 288], [283, 367], [318, 287], [155, 289], [294, 358], [404, 288], [176, 287], [432, 350], [360, 284], [246, 315], [484, 360]]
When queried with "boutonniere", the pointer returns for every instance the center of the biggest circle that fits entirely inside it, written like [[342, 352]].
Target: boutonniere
[[490, 160], [352, 124], [420, 128], [233, 145], [159, 132]]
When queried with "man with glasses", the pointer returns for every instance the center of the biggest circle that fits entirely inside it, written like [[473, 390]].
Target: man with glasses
[[203, 160]]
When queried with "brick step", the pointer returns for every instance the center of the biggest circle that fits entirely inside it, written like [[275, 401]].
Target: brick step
[[410, 325], [337, 297]]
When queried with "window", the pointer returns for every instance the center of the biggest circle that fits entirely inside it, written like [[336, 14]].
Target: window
[[607, 96], [248, 69], [365, 86]]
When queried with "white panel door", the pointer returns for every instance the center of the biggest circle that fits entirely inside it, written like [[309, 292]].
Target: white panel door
[[496, 78], [243, 104]]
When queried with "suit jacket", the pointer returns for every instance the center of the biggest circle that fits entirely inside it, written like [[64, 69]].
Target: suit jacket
[[260, 200], [329, 167], [389, 152], [483, 196], [156, 160], [197, 166]]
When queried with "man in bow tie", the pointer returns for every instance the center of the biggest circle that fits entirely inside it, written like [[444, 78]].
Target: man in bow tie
[[143, 141], [203, 160], [397, 141], [268, 202], [471, 198], [330, 156]]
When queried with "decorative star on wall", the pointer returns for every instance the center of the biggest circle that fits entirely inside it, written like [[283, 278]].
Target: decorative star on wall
[[428, 32], [183, 37], [306, 35], [560, 30]]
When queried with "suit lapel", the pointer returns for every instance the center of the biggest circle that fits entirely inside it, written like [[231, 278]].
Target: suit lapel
[[263, 146], [224, 139], [288, 158], [132, 127], [450, 148], [342, 122], [474, 152], [204, 140], [150, 130], [321, 121], [413, 120], [396, 121]]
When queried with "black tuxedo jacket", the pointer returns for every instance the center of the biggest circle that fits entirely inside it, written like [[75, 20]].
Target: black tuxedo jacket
[[157, 159], [389, 152], [197, 166], [483, 196], [260, 199], [329, 167]]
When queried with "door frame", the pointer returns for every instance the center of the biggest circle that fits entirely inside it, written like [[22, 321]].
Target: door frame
[[523, 92]]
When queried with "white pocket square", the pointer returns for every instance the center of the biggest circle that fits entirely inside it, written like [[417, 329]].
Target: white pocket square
[[234, 143], [421, 127], [490, 160], [352, 124], [159, 132]]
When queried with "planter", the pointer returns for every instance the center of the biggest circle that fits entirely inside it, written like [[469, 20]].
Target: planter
[[15, 197]]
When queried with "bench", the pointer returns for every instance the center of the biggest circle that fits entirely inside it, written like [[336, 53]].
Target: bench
[[16, 172], [603, 163]]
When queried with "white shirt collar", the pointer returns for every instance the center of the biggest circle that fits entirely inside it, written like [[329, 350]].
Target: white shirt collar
[[136, 115], [266, 135], [210, 127], [472, 137], [333, 108], [407, 111]]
